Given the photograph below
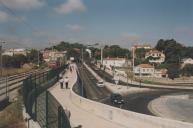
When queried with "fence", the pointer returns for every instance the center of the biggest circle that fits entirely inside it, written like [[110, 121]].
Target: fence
[[40, 104]]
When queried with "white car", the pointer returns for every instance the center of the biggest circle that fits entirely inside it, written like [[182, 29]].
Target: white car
[[100, 84]]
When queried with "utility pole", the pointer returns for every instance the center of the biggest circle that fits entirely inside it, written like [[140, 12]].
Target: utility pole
[[1, 58], [82, 51], [133, 51], [38, 58], [102, 55]]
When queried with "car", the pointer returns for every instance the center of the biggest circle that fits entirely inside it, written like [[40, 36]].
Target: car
[[116, 98], [100, 84]]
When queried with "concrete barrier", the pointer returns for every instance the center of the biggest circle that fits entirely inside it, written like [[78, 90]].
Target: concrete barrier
[[125, 118]]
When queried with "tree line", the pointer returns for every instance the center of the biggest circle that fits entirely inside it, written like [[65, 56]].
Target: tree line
[[18, 60]]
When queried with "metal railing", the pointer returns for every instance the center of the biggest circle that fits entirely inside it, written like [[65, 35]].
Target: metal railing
[[40, 104]]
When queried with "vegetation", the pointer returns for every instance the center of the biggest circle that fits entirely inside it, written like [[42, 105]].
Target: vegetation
[[12, 117], [174, 52], [74, 49], [187, 70], [15, 61]]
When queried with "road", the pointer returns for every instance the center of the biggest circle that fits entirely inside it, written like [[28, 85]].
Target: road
[[93, 92], [137, 102]]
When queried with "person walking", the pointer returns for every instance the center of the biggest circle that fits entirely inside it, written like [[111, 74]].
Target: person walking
[[61, 83], [66, 80]]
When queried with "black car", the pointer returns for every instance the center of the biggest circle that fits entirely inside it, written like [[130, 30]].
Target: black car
[[116, 99]]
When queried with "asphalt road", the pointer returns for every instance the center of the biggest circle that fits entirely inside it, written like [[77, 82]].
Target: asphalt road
[[93, 92], [138, 102], [135, 102]]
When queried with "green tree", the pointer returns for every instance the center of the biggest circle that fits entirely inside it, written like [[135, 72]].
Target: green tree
[[32, 56], [187, 70], [7, 61], [19, 60]]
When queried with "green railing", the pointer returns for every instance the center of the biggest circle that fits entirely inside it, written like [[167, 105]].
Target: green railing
[[40, 104]]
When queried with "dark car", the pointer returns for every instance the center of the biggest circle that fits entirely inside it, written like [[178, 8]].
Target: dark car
[[116, 99]]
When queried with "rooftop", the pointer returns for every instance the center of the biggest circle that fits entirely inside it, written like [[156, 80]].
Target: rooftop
[[145, 66]]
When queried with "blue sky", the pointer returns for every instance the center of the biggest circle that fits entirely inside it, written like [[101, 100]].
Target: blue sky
[[35, 23]]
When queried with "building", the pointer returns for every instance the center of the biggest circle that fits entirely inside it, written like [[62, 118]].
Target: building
[[155, 56], [116, 62], [54, 58], [147, 70], [144, 70], [186, 61], [14, 51], [161, 73], [138, 46]]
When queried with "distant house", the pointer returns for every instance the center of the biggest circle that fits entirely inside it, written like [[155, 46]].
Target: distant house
[[186, 61], [155, 56], [159, 73], [14, 51], [138, 46], [115, 62], [53, 56], [147, 70]]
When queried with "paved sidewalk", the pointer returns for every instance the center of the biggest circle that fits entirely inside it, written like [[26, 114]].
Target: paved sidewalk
[[78, 115]]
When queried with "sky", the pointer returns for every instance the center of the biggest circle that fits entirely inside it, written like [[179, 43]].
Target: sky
[[41, 23]]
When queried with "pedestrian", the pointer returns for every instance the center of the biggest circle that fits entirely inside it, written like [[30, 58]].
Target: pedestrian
[[66, 82], [60, 75], [61, 83]]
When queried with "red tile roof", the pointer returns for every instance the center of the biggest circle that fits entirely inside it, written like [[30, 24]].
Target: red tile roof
[[145, 66]]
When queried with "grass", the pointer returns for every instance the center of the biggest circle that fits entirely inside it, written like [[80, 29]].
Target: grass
[[13, 71], [11, 116]]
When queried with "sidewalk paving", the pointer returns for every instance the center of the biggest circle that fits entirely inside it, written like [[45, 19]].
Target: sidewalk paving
[[78, 115]]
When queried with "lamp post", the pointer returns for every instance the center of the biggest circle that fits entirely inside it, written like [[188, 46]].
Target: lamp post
[[1, 58]]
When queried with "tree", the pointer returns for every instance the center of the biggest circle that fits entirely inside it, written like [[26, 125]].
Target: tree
[[187, 70], [173, 71], [32, 56], [173, 50], [7, 61], [19, 60], [140, 53]]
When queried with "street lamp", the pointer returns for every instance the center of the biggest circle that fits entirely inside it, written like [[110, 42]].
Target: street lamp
[[1, 60]]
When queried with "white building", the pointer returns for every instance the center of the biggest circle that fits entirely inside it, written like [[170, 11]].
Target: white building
[[156, 56], [116, 62], [138, 46], [186, 61], [13, 51], [142, 70], [147, 70], [160, 73], [53, 55]]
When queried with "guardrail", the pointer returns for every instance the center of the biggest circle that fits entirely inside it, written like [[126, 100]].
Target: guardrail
[[122, 117], [40, 104]]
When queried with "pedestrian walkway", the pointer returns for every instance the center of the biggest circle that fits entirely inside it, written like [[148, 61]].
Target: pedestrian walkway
[[78, 115]]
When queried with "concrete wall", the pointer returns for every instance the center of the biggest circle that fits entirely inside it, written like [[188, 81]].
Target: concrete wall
[[125, 117]]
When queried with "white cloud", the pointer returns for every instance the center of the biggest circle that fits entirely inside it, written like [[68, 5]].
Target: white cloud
[[4, 16], [23, 4], [130, 36], [70, 6], [74, 27]]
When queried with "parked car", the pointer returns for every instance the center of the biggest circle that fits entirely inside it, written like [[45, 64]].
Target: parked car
[[116, 99], [100, 84]]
